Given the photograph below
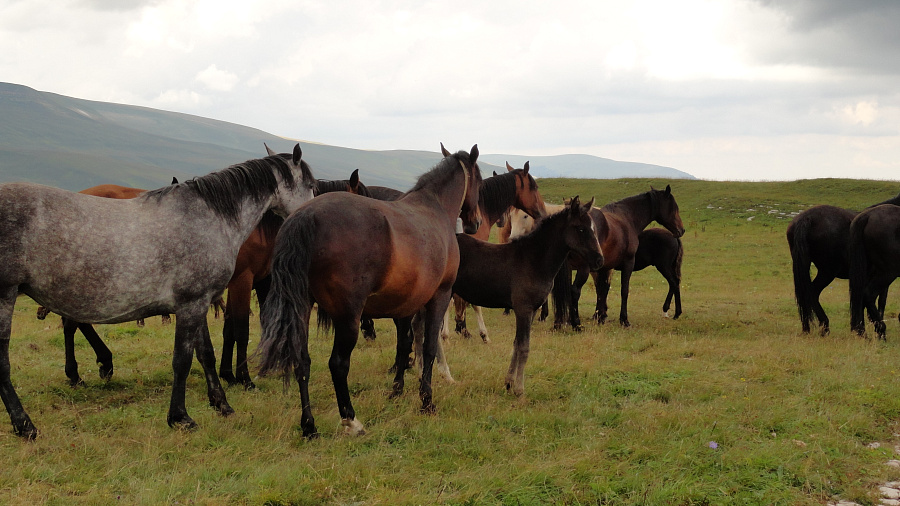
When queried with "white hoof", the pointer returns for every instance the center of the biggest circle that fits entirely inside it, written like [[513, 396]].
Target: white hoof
[[665, 314], [353, 427]]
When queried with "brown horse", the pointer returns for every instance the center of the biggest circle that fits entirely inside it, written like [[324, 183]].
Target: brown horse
[[251, 272], [515, 189], [618, 225], [409, 261]]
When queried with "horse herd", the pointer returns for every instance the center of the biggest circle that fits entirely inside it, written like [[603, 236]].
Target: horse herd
[[268, 225]]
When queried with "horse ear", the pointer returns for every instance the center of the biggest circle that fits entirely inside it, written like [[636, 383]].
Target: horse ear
[[668, 190], [473, 154], [298, 154], [495, 173], [174, 180], [444, 151], [354, 179], [509, 168], [269, 150], [589, 205], [525, 168], [574, 204]]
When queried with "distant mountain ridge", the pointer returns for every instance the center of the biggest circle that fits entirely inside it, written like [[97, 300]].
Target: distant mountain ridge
[[74, 143], [585, 167]]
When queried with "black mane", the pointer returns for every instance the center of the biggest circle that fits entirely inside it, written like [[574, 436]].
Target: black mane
[[497, 193], [440, 173], [328, 186], [224, 190]]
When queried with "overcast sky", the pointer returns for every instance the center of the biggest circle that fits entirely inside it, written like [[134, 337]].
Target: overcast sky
[[721, 89]]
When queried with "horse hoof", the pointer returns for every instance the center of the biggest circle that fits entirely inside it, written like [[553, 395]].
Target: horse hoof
[[578, 328], [625, 323], [485, 339], [428, 408], [229, 378], [225, 410], [184, 422], [249, 385], [77, 382], [353, 427], [106, 372], [26, 430]]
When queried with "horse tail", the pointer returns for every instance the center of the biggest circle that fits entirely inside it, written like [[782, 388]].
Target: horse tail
[[858, 272], [798, 234], [284, 317], [679, 258], [562, 294]]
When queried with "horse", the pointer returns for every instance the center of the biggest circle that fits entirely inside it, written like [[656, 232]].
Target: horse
[[515, 188], [519, 274], [359, 257], [874, 251], [618, 225], [97, 260], [820, 236], [101, 351], [251, 272], [660, 248]]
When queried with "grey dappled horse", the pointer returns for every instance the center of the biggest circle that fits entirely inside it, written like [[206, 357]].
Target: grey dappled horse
[[97, 260]]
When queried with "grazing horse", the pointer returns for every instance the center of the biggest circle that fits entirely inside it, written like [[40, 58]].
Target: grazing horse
[[251, 272], [406, 258], [98, 260], [498, 194], [874, 247], [618, 225], [519, 274], [660, 248], [819, 236]]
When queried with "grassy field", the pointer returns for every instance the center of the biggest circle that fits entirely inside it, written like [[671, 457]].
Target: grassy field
[[731, 404]]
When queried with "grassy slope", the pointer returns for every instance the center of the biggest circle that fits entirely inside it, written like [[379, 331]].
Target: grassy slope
[[611, 415]]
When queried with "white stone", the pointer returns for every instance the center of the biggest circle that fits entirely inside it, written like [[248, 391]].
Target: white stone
[[890, 502], [893, 463], [873, 445], [890, 493]]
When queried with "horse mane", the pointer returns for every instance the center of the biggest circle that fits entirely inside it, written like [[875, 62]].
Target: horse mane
[[895, 200], [328, 186], [439, 173], [613, 206], [224, 190], [543, 223], [497, 193]]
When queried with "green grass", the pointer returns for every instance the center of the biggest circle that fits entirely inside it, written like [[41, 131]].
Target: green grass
[[610, 415]]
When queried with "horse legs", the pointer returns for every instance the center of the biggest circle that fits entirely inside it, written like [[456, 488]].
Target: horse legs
[[626, 282], [418, 333], [104, 356], [21, 423], [482, 329], [236, 331], [515, 377], [346, 334], [434, 310], [581, 276], [818, 284], [191, 333], [876, 315], [460, 305], [401, 359], [301, 373], [602, 281], [545, 311]]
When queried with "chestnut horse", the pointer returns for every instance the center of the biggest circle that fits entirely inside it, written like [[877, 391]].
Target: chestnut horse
[[406, 258], [820, 236], [618, 225]]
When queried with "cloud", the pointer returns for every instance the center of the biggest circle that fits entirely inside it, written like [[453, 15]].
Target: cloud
[[217, 80]]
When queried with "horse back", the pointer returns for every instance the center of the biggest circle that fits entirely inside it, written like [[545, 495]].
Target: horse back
[[822, 233], [881, 237], [656, 246]]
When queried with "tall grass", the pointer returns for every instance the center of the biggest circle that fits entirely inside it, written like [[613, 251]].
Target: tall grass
[[610, 415]]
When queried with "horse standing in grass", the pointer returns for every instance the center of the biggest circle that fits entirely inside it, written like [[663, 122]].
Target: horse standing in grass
[[101, 260], [498, 194], [618, 225], [820, 236], [519, 274], [359, 257], [660, 248], [874, 247]]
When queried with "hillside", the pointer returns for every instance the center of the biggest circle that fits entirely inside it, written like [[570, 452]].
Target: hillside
[[73, 143]]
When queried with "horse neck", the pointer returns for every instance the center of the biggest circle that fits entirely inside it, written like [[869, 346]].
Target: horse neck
[[637, 210], [546, 244], [444, 190], [496, 195]]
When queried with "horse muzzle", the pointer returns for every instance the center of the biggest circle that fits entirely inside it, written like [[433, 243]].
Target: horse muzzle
[[471, 228]]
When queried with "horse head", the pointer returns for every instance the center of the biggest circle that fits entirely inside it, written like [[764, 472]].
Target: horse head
[[471, 217], [581, 234], [292, 193], [666, 210], [528, 198]]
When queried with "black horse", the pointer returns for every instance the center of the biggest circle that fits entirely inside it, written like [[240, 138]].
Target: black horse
[[874, 247], [660, 248], [819, 236]]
